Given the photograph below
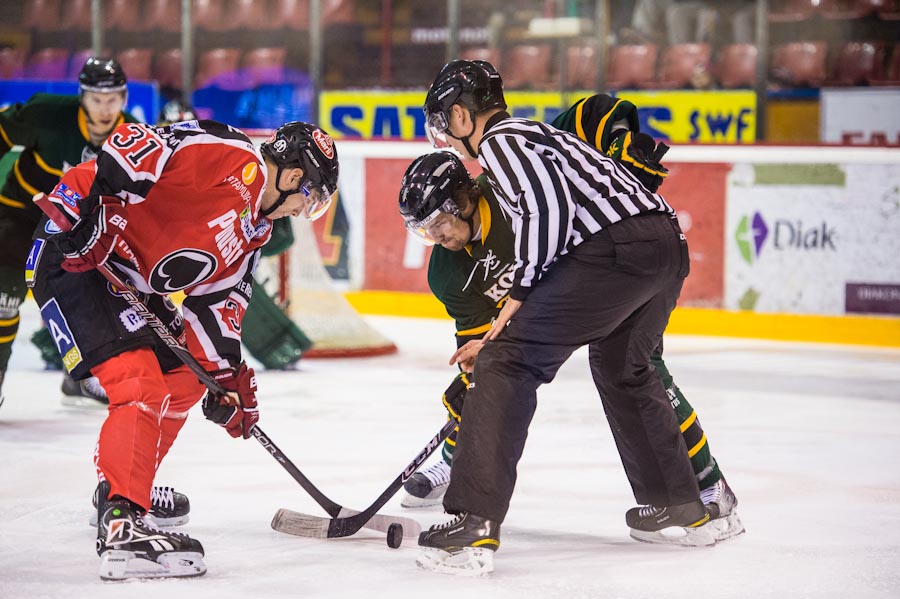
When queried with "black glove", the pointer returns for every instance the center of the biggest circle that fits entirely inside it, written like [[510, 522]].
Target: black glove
[[236, 410], [642, 156], [455, 395]]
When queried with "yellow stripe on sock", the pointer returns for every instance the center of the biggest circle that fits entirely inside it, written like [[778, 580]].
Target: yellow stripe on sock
[[8, 322], [693, 450], [690, 420], [8, 338]]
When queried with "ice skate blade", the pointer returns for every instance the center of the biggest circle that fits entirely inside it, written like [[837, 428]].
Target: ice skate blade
[[121, 565], [413, 501], [165, 522], [700, 536], [470, 561], [728, 527]]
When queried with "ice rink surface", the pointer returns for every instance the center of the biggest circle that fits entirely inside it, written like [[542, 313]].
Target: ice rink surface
[[807, 435]]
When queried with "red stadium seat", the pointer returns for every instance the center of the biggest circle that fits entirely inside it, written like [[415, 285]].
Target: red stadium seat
[[631, 67], [736, 66], [48, 63], [889, 10], [42, 15], [789, 11], [167, 69], [527, 66], [892, 73], [680, 63], [337, 11], [12, 63], [581, 66], [800, 64], [163, 15], [219, 66], [76, 15], [210, 15], [137, 63], [491, 55], [293, 14], [264, 65], [250, 15], [848, 9], [124, 15], [858, 63]]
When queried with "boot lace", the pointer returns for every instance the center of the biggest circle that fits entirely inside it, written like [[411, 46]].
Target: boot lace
[[93, 387], [163, 497], [713, 494], [438, 474], [456, 520], [649, 510]]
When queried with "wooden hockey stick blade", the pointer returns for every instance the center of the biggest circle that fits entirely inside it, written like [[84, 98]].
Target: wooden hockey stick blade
[[304, 525]]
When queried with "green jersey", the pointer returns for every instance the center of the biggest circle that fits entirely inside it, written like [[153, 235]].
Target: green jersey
[[474, 283], [53, 131]]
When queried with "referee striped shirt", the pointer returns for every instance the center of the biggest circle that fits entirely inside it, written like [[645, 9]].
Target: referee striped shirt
[[558, 191]]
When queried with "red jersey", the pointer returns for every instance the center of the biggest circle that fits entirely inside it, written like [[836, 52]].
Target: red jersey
[[192, 192]]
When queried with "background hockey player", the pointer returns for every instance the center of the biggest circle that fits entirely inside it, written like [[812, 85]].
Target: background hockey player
[[57, 132], [179, 208], [600, 261]]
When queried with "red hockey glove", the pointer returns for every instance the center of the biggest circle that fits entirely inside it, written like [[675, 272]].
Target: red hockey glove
[[93, 238], [236, 410]]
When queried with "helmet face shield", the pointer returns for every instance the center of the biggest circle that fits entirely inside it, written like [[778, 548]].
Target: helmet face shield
[[317, 201], [436, 125], [434, 225]]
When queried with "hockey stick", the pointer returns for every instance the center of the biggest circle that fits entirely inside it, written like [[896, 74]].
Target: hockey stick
[[304, 525], [381, 523]]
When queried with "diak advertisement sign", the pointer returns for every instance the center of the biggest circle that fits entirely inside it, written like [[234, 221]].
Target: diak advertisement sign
[[675, 116]]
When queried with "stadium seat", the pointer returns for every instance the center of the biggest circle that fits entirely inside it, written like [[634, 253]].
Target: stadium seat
[[848, 9], [250, 15], [41, 15], [631, 67], [137, 63], [581, 66], [48, 63], [219, 67], [800, 64], [210, 15], [293, 14], [336, 12], [892, 72], [77, 60], [790, 11], [491, 55], [124, 15], [76, 15], [858, 63], [167, 69], [527, 66], [12, 63], [680, 63], [264, 66], [163, 15], [736, 66], [889, 10]]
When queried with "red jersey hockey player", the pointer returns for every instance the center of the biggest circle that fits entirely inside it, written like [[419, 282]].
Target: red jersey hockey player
[[178, 208]]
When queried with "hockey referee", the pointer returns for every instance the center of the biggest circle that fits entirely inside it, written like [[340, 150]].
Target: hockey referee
[[600, 261]]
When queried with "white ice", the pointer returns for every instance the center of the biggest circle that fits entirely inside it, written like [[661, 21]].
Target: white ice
[[808, 436]]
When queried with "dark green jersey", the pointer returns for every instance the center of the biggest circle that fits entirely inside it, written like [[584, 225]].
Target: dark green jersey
[[53, 131], [473, 284]]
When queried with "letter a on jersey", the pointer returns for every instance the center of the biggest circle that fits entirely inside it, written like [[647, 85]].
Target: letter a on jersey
[[62, 335]]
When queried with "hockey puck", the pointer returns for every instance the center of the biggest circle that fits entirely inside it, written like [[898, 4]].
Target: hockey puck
[[395, 535]]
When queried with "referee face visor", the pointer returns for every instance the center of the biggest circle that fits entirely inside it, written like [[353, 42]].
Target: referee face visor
[[437, 113]]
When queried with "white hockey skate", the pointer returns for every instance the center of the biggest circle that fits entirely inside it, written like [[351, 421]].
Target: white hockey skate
[[427, 488], [722, 505], [88, 393], [131, 547]]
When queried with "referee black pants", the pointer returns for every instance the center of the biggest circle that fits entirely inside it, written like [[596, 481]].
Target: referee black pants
[[614, 292]]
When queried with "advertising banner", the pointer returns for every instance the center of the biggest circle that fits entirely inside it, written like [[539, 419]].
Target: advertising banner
[[676, 116], [143, 98], [813, 238], [860, 116]]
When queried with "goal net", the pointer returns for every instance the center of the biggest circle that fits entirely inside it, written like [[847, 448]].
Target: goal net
[[298, 280]]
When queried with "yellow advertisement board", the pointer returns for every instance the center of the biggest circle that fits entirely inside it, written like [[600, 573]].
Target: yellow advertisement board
[[676, 116]]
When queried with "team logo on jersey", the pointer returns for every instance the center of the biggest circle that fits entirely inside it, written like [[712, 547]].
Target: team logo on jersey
[[248, 174], [131, 320], [51, 228], [182, 269], [325, 143], [62, 335], [68, 195]]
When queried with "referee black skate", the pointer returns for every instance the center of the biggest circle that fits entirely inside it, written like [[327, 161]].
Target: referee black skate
[[600, 262]]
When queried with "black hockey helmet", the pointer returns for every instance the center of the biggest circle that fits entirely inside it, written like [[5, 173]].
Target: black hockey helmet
[[308, 147], [429, 188], [104, 75], [175, 111], [476, 84]]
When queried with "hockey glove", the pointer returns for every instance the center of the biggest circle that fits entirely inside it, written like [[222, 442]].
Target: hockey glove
[[641, 154], [236, 411], [455, 395], [91, 240]]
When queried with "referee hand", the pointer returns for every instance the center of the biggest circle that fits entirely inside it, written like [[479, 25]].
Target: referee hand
[[506, 313]]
